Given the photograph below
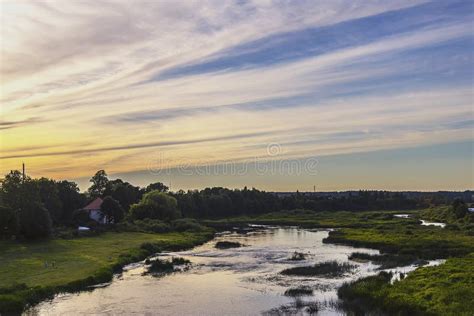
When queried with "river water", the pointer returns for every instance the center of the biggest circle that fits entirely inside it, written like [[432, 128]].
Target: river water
[[237, 281]]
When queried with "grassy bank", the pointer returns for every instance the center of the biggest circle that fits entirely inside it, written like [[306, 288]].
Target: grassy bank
[[36, 270], [443, 290], [423, 242], [310, 219], [446, 289]]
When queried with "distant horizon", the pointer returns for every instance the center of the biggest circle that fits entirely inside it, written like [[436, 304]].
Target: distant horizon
[[223, 176]]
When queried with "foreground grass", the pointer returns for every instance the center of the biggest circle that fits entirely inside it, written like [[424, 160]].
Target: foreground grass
[[446, 289], [33, 270]]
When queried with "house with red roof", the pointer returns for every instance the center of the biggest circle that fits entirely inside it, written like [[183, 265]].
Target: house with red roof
[[94, 211]]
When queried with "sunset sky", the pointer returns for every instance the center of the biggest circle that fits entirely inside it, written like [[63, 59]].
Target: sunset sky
[[366, 94]]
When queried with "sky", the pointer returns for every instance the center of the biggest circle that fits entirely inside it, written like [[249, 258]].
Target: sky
[[279, 95]]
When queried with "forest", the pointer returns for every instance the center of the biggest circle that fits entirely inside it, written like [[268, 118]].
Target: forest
[[37, 208]]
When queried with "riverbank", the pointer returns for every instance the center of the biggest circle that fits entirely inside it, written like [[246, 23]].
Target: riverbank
[[441, 290], [33, 271], [310, 219], [446, 289]]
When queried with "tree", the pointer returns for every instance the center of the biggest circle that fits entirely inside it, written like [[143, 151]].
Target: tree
[[112, 209], [157, 186], [156, 205], [80, 217], [49, 196], [8, 222], [99, 184], [71, 199], [459, 208], [123, 192], [34, 220], [16, 191]]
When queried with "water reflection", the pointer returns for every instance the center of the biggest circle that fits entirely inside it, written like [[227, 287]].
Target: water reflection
[[237, 281], [427, 223]]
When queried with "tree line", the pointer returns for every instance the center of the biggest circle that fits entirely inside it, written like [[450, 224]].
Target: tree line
[[32, 208]]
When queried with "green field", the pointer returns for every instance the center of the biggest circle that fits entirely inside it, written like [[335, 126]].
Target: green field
[[33, 270]]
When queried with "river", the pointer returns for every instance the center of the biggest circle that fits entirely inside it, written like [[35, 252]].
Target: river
[[237, 281]]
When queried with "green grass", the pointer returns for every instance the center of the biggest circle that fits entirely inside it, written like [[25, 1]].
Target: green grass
[[446, 289], [312, 219], [387, 261], [77, 262], [331, 269], [423, 242]]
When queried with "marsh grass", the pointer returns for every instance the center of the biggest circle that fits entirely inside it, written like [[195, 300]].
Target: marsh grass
[[446, 289], [227, 244], [159, 266], [387, 261], [327, 269], [297, 256], [299, 291]]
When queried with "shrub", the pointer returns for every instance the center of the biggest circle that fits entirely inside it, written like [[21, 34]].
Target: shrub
[[8, 222], [155, 205], [165, 266], [152, 226], [112, 209], [152, 248], [187, 224], [35, 221], [80, 217]]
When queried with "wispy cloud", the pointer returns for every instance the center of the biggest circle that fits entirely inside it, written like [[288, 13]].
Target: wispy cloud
[[219, 80], [15, 124]]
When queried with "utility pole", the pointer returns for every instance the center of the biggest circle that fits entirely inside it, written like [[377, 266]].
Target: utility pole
[[24, 177]]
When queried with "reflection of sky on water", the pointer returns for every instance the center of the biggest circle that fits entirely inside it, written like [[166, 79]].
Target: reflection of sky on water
[[243, 280]]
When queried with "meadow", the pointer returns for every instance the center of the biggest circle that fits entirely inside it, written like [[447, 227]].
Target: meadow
[[32, 271]]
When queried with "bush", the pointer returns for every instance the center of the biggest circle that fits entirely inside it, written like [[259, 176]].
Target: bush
[[152, 226], [152, 248], [155, 205], [35, 221], [112, 209], [8, 222], [187, 224], [80, 217], [165, 266]]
